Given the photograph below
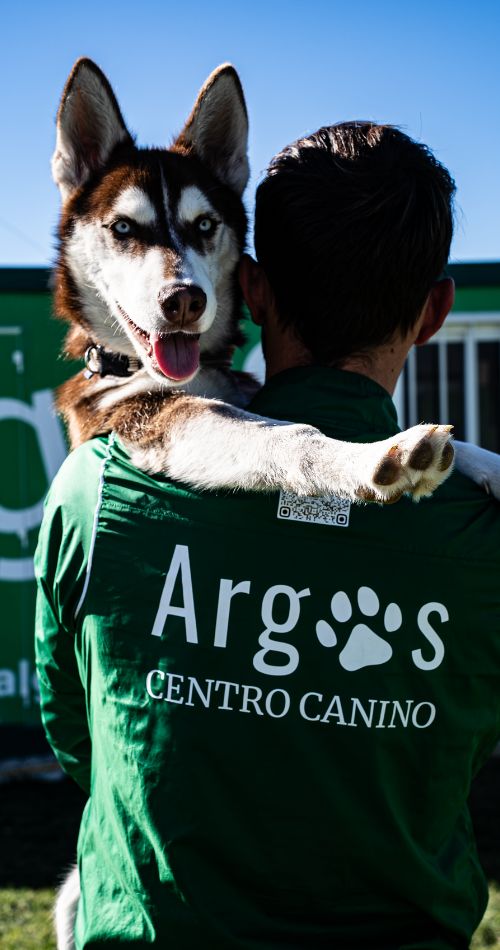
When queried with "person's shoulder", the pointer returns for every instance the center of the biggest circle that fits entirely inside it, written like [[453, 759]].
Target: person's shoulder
[[462, 488], [105, 462], [466, 515], [69, 509], [77, 480]]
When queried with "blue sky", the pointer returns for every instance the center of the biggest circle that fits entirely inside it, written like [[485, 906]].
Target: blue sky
[[432, 68]]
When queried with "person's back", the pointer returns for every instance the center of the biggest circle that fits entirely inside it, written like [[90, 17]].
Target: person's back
[[287, 699], [287, 702]]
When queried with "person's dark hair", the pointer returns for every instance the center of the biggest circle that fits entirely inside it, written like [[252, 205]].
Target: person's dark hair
[[353, 225]]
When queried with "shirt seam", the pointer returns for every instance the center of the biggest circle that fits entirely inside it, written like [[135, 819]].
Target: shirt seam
[[95, 524]]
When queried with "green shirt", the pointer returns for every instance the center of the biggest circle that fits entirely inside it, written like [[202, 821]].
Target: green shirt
[[277, 706]]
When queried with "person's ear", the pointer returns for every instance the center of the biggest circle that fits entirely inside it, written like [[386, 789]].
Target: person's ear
[[257, 293], [436, 309]]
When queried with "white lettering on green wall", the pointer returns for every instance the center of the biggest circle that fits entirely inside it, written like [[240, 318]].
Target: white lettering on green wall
[[20, 521]]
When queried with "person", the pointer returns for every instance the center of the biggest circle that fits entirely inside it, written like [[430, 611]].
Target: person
[[277, 704]]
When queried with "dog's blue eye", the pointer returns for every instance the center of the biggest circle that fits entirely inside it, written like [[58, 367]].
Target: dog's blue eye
[[122, 227], [205, 225]]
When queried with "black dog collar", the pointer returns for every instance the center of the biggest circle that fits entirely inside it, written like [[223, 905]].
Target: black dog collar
[[101, 362]]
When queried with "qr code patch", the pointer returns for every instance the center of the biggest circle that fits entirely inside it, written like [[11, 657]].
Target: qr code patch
[[326, 510]]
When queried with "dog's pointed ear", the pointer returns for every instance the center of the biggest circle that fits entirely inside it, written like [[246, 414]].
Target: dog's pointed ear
[[89, 126], [217, 129]]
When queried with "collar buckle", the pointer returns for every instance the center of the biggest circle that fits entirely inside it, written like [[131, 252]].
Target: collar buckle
[[102, 362]]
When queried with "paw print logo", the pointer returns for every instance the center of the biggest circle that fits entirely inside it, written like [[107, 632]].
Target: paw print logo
[[364, 647]]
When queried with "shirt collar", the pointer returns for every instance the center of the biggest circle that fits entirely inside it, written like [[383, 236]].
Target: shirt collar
[[340, 403]]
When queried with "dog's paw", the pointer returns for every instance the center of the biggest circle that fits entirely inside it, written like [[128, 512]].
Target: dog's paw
[[480, 465], [414, 462]]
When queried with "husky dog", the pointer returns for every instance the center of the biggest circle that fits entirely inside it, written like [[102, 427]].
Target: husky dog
[[149, 244]]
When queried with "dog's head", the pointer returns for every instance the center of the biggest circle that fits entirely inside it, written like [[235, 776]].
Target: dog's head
[[150, 238]]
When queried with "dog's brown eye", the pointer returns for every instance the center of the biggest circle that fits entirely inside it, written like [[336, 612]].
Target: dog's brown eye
[[121, 227], [206, 225]]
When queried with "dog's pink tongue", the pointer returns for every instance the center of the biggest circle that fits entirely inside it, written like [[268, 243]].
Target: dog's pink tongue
[[177, 355]]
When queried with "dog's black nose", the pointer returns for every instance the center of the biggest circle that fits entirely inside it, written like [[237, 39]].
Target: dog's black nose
[[183, 304]]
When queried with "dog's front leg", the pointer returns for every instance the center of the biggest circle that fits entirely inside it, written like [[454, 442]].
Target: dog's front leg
[[480, 465], [209, 444]]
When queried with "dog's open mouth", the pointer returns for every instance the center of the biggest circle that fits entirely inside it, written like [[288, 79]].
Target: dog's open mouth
[[175, 355]]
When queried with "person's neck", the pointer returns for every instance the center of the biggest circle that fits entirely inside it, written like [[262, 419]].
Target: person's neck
[[382, 364]]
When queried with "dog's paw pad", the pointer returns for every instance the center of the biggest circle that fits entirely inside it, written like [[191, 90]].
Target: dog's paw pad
[[447, 456], [422, 455], [388, 471], [415, 462]]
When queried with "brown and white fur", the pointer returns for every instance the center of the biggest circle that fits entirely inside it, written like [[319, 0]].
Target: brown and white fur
[[149, 244]]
